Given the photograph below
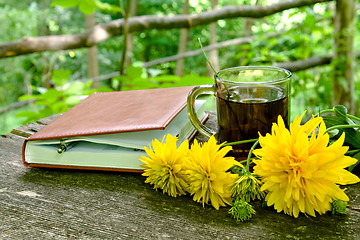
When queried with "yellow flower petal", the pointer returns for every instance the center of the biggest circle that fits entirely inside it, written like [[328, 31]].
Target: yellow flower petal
[[206, 168], [163, 167], [299, 170]]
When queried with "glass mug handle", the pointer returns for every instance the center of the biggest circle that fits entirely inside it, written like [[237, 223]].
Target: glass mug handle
[[194, 93]]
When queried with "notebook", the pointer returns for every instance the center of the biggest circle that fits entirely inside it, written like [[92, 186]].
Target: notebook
[[108, 131]]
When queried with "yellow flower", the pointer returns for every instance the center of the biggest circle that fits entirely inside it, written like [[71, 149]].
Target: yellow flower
[[299, 170], [206, 173], [163, 167]]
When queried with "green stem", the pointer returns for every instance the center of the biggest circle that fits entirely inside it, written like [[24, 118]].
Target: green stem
[[240, 142], [353, 117], [341, 126], [332, 110], [207, 59], [353, 151], [243, 161], [247, 167], [324, 111]]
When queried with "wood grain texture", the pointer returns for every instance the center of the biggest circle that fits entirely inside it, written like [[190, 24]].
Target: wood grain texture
[[64, 204]]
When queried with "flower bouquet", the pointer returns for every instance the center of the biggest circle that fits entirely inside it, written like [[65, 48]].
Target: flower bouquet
[[295, 170]]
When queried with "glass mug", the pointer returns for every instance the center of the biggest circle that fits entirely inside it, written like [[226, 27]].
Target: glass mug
[[248, 99]]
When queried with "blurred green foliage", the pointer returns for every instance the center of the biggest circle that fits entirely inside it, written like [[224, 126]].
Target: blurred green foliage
[[36, 76], [58, 99], [137, 78]]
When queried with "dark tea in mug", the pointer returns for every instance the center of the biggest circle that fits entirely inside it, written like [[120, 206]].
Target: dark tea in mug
[[246, 112], [249, 100]]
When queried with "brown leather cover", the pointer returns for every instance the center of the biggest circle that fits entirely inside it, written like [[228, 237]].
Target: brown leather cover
[[115, 112]]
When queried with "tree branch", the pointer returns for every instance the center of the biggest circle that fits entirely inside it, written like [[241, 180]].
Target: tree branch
[[105, 31], [227, 43], [15, 105], [310, 62], [306, 64]]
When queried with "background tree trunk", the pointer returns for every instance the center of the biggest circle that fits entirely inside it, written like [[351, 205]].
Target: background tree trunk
[[130, 36], [182, 43], [214, 54], [126, 13], [343, 63], [42, 30], [92, 52], [248, 23]]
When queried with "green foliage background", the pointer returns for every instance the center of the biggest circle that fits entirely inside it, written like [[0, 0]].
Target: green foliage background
[[310, 33]]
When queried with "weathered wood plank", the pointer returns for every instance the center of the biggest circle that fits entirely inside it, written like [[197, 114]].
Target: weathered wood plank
[[64, 204], [47, 120], [27, 130]]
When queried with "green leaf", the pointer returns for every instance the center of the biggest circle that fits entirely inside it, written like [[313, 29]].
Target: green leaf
[[192, 80], [139, 83], [28, 114], [341, 112], [87, 85], [352, 137], [100, 89], [72, 100], [333, 133], [60, 77], [74, 88], [310, 21], [44, 113], [134, 72], [331, 121], [57, 107], [28, 97], [357, 156], [121, 79], [87, 6], [66, 3], [49, 97], [166, 78], [106, 7]]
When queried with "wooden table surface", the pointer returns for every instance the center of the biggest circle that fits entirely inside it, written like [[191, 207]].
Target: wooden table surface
[[68, 204]]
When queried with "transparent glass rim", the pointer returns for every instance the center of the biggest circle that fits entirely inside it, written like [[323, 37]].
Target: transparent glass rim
[[268, 68]]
